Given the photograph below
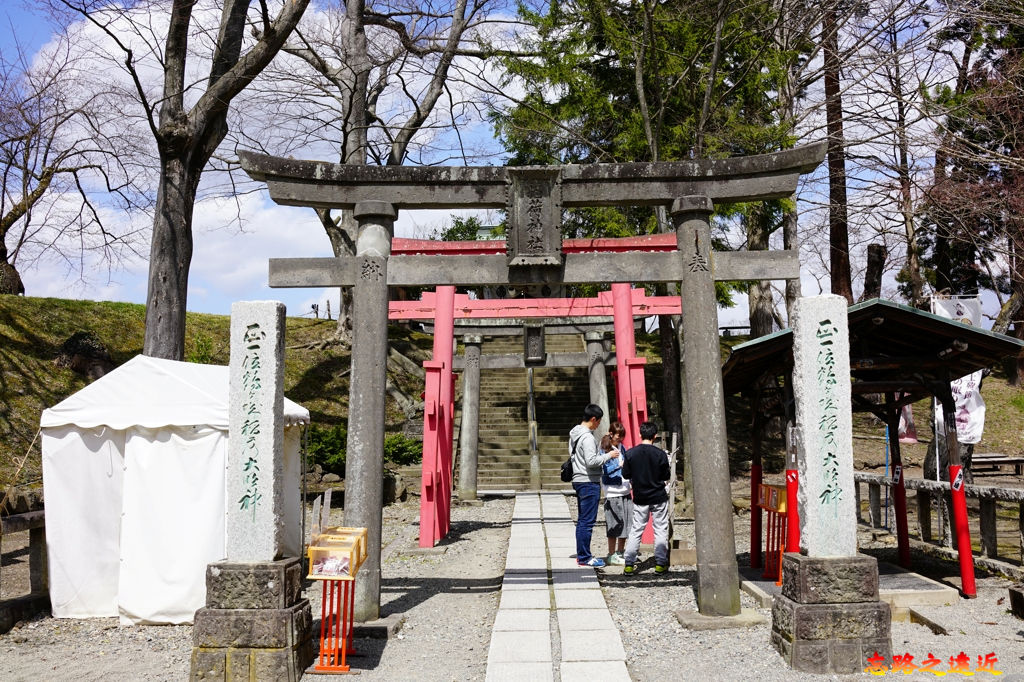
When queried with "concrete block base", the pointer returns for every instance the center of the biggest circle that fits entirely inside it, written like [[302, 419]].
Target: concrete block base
[[694, 620], [382, 628], [255, 625], [428, 551], [1017, 601], [828, 618]]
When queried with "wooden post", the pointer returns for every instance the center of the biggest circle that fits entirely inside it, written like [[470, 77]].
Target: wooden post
[[875, 504], [989, 541], [37, 562], [924, 515], [857, 500], [1020, 529]]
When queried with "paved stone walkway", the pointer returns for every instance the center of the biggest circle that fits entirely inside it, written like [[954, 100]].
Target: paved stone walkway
[[548, 604]]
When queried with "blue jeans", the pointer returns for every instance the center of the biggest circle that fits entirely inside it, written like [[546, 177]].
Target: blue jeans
[[588, 499]]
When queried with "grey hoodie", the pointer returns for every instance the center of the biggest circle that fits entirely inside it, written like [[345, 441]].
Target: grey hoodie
[[586, 460]]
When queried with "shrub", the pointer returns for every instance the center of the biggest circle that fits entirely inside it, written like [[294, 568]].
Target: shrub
[[325, 445], [202, 349], [401, 451]]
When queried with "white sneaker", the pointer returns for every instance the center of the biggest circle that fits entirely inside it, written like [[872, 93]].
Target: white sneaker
[[615, 559]]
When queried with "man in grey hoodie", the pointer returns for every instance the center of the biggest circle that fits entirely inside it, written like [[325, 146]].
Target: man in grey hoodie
[[586, 481]]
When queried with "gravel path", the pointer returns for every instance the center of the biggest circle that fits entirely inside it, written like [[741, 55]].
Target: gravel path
[[449, 602]]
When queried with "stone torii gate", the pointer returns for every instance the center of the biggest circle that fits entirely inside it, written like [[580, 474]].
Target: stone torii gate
[[533, 198]]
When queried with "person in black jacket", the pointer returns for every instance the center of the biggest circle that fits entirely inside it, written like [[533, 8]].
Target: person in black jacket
[[646, 467]]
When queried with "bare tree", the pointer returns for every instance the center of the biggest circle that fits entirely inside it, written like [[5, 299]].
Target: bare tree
[[58, 151], [187, 120], [379, 82]]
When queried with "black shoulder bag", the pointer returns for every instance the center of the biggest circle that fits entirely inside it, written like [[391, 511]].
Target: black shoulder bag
[[565, 473]]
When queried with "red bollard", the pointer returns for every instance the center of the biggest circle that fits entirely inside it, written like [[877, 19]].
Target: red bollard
[[755, 516], [963, 534], [899, 494], [792, 511]]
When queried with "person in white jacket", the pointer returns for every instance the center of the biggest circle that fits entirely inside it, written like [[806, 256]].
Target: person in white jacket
[[586, 481]]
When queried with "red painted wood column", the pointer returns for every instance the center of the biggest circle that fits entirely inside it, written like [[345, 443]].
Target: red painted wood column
[[444, 342], [625, 350], [430, 484], [630, 389], [438, 415]]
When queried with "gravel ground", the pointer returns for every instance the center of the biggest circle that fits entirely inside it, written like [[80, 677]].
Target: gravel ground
[[449, 601]]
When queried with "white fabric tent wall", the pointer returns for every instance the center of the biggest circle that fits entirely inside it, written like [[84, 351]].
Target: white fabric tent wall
[[135, 499], [83, 528]]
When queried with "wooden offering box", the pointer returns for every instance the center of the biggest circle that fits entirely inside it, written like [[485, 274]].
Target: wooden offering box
[[337, 554]]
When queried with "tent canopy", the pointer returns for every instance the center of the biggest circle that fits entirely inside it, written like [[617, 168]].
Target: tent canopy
[[134, 479], [152, 393]]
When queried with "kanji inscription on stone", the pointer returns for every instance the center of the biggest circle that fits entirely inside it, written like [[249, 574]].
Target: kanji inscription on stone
[[534, 208]]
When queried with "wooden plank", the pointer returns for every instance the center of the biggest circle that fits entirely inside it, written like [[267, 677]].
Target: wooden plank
[[16, 523], [466, 308], [401, 246]]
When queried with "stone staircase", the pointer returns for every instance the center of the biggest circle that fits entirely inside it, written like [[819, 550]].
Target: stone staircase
[[560, 396]]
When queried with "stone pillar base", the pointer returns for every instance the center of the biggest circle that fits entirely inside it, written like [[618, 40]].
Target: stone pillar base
[[828, 618], [255, 626]]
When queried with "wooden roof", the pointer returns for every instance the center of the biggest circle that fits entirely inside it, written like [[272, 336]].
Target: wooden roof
[[893, 347]]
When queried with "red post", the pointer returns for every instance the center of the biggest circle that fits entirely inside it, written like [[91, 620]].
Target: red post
[[431, 481], [625, 349], [444, 337], [963, 534], [792, 511], [756, 478]]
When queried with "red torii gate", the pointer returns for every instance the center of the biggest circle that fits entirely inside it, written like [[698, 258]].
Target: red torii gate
[[444, 306]]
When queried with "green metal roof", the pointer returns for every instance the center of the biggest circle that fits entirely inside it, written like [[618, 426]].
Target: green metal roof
[[881, 330]]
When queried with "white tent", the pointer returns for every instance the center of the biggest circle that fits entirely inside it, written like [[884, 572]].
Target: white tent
[[134, 482]]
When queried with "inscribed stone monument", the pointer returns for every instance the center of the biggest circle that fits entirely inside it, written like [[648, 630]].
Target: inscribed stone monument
[[256, 625], [255, 468], [821, 385], [828, 618]]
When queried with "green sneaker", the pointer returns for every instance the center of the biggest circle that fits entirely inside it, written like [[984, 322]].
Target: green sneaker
[[661, 570], [629, 569]]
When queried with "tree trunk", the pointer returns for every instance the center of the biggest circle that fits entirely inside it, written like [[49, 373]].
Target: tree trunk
[[671, 410], [668, 331], [838, 225], [873, 272], [791, 242], [10, 279], [169, 260], [759, 297], [340, 232]]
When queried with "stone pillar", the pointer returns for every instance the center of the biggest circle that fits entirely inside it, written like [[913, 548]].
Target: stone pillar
[[469, 435], [255, 624], [598, 378], [364, 468], [717, 572], [255, 485], [828, 618]]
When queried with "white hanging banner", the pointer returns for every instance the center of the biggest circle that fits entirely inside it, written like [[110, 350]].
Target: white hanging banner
[[907, 429], [970, 406]]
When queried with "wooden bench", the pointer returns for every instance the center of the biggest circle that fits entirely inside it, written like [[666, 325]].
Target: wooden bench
[[992, 461]]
